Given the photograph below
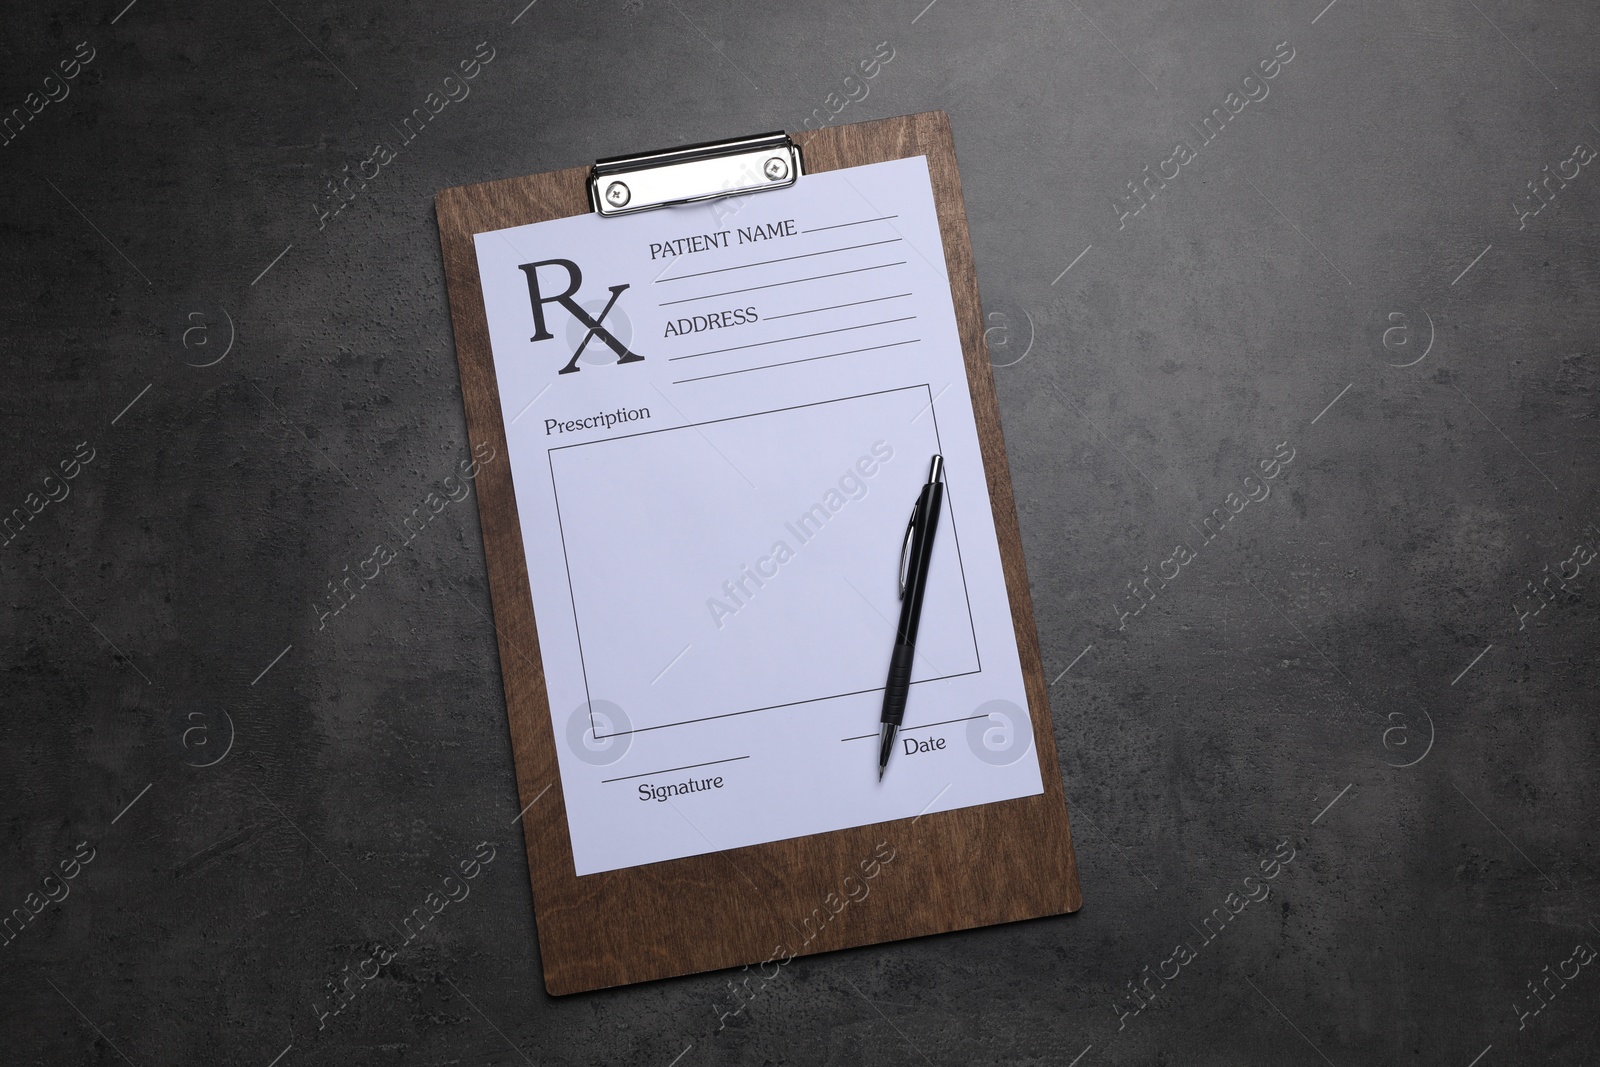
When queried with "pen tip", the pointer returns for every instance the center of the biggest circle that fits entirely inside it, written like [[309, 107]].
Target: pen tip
[[880, 772]]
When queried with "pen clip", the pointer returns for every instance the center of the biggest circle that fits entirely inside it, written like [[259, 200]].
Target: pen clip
[[905, 547]]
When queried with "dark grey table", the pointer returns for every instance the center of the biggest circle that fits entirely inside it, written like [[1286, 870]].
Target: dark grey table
[[1366, 682]]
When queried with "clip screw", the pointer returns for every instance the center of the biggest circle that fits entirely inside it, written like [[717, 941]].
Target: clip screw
[[617, 194], [776, 169]]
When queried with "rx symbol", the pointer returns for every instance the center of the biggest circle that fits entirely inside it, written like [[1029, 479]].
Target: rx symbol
[[566, 299]]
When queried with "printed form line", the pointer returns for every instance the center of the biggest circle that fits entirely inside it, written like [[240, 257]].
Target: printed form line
[[836, 307], [924, 726], [797, 337], [792, 362], [774, 285], [670, 770], [842, 225], [780, 259]]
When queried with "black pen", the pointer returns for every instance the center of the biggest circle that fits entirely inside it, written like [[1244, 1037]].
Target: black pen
[[915, 552]]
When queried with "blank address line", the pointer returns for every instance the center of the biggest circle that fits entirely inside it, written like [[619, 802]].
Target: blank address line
[[836, 307], [774, 285], [792, 362], [796, 337]]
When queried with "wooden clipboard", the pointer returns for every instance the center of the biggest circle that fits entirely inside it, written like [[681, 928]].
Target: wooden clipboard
[[950, 870]]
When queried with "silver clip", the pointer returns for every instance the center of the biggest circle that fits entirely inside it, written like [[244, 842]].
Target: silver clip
[[905, 548], [625, 184]]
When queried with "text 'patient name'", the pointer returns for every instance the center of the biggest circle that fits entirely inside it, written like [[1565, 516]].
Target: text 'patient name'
[[700, 242]]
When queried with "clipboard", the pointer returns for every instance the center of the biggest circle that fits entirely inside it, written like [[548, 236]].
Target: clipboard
[[951, 870]]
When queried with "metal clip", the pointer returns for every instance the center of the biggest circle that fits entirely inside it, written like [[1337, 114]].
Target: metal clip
[[622, 185], [905, 547]]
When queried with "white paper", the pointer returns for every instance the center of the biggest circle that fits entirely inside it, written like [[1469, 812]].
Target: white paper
[[715, 574]]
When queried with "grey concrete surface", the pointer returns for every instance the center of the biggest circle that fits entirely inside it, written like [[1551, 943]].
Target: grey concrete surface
[[1354, 667]]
